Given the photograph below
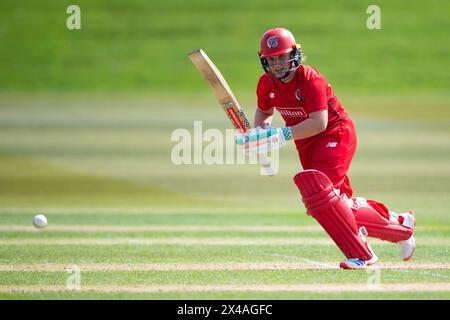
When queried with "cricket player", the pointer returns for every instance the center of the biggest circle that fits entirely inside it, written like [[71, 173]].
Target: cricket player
[[325, 139]]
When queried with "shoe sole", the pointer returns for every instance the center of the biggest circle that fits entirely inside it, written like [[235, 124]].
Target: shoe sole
[[345, 266], [412, 253]]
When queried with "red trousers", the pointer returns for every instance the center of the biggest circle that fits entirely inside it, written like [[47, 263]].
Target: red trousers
[[332, 152]]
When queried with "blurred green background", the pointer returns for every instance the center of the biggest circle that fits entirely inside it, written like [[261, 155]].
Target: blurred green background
[[140, 46]]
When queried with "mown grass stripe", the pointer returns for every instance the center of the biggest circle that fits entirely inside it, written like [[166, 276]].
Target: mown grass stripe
[[175, 228], [350, 287], [228, 241], [211, 266], [168, 241], [172, 210]]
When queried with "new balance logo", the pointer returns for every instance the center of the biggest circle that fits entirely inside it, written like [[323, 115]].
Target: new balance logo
[[331, 145]]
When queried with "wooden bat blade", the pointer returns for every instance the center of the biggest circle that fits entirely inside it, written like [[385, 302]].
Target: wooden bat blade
[[220, 88], [225, 96]]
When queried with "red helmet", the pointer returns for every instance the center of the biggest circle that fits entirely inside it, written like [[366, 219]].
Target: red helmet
[[279, 41]]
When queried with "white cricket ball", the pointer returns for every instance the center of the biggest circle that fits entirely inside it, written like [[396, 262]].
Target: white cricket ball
[[39, 221]]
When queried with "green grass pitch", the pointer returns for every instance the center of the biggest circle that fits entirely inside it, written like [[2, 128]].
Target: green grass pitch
[[113, 198], [85, 138]]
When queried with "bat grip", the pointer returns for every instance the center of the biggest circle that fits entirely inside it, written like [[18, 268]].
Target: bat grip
[[266, 164]]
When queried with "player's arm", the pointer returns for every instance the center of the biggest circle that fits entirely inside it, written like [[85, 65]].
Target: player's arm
[[315, 124], [263, 118]]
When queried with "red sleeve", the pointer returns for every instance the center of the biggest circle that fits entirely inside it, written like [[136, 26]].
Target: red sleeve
[[317, 95], [262, 92]]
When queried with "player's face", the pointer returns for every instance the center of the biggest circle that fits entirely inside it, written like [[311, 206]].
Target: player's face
[[280, 64]]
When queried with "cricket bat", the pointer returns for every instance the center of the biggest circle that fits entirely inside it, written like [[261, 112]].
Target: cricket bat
[[225, 97]]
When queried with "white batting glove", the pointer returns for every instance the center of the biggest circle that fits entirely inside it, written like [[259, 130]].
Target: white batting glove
[[260, 140]]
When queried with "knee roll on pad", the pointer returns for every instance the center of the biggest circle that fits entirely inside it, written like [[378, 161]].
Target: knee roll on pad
[[332, 213], [380, 227]]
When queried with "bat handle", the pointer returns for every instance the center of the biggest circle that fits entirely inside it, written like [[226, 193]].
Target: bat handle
[[266, 165]]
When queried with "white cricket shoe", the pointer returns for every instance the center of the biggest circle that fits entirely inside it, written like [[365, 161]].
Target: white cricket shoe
[[355, 263], [407, 248]]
